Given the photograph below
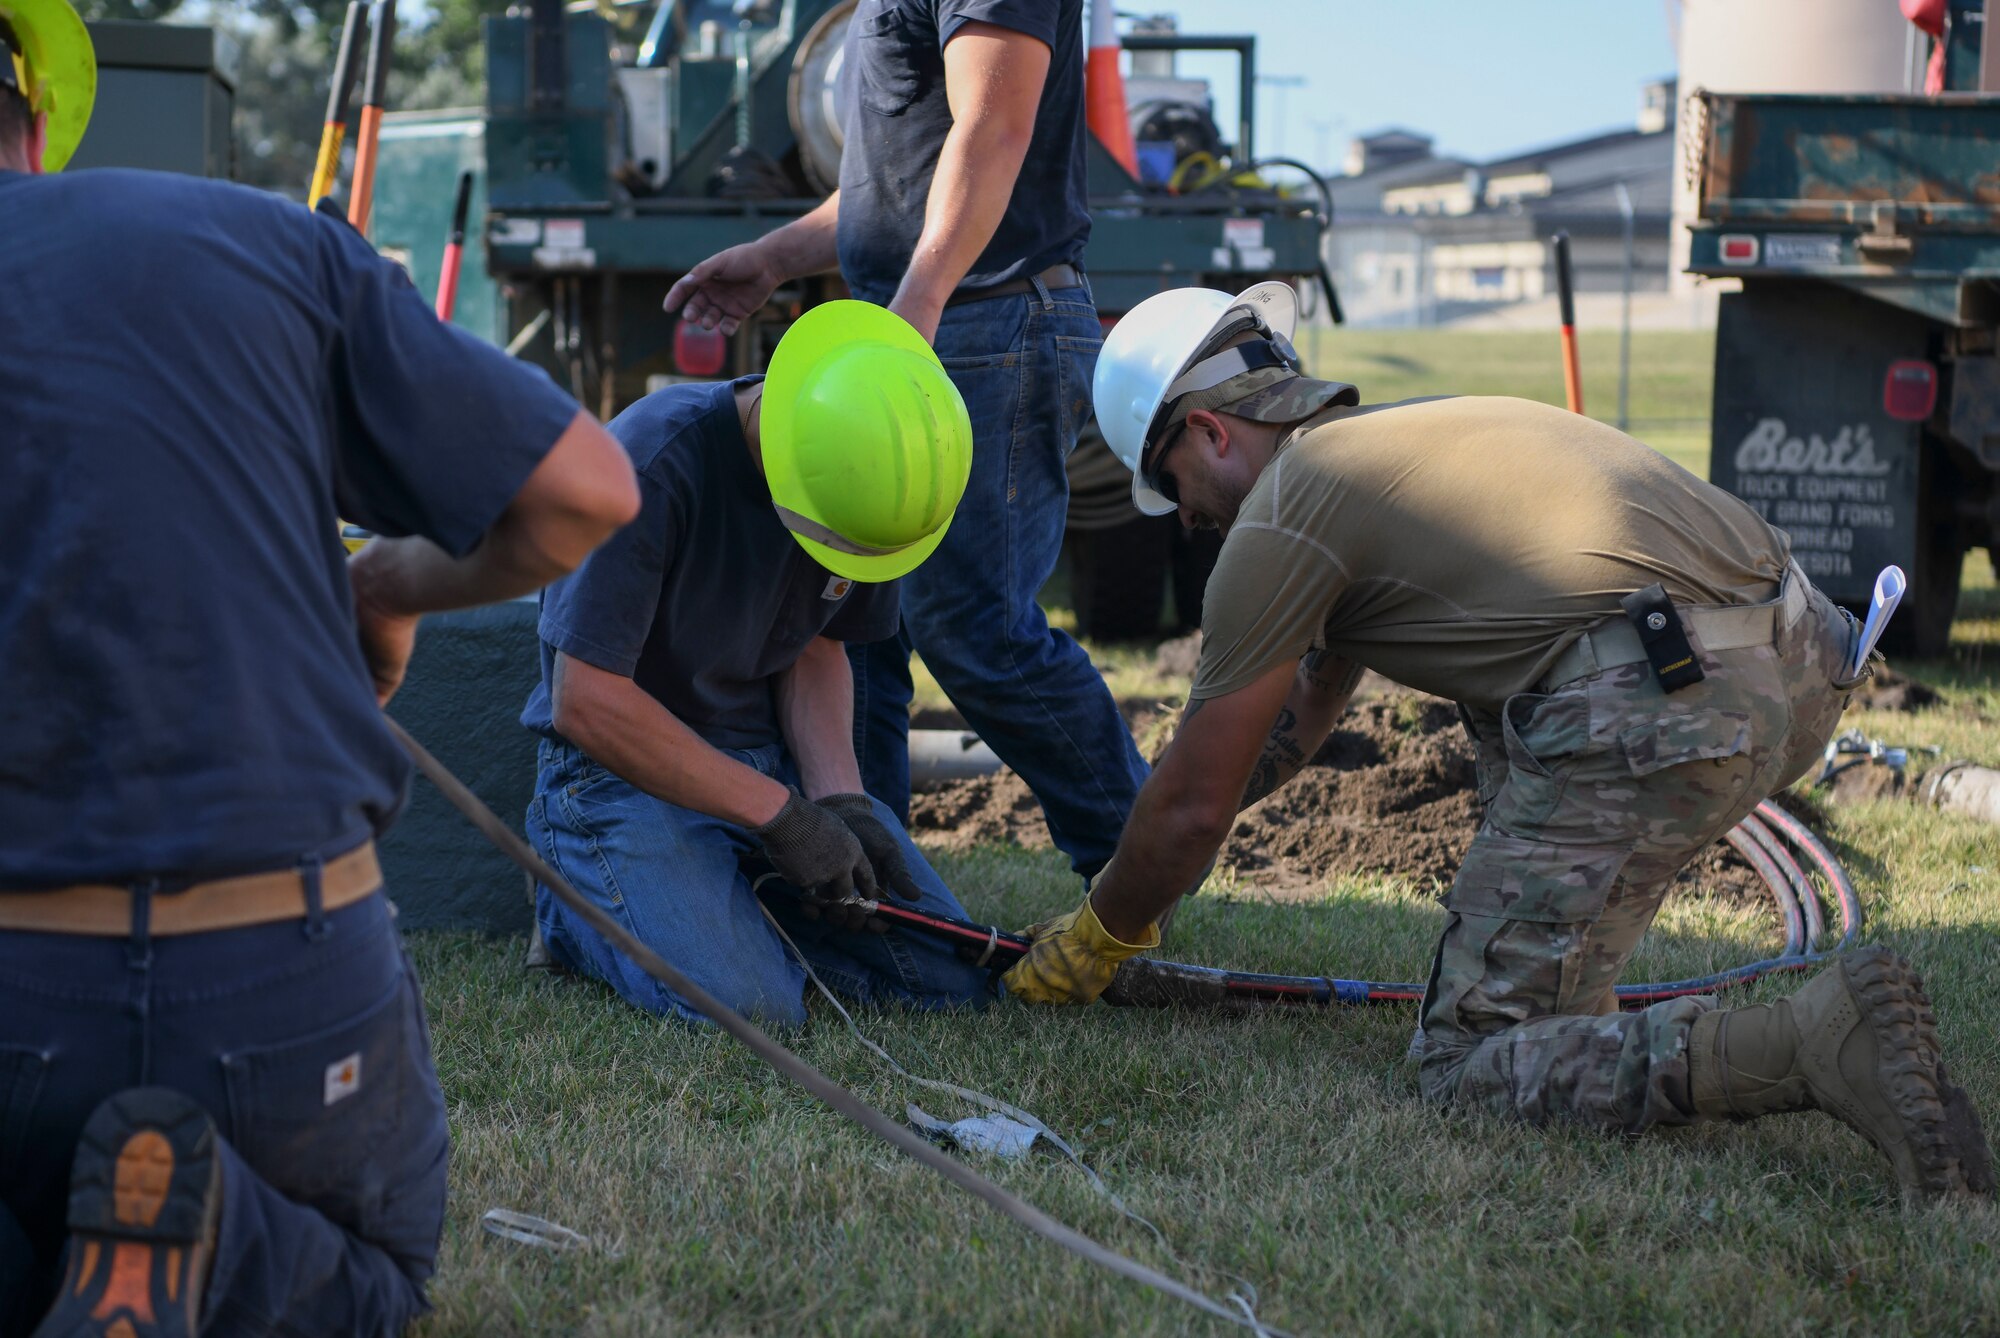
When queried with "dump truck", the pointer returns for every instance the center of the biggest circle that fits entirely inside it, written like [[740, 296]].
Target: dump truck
[[1857, 388], [611, 159]]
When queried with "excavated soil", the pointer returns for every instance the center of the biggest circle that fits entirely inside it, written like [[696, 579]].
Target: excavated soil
[[1865, 783], [1887, 690], [1392, 791]]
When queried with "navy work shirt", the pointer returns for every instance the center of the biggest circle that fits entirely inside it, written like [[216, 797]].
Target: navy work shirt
[[705, 598], [195, 380], [897, 118]]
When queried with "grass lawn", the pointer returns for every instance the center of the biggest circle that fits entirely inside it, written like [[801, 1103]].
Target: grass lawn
[[1667, 397], [1290, 1150]]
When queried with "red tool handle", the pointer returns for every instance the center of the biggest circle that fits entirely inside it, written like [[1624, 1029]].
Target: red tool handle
[[375, 95], [1566, 296], [454, 250]]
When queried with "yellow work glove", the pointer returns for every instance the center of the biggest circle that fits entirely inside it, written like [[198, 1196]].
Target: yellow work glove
[[1073, 959]]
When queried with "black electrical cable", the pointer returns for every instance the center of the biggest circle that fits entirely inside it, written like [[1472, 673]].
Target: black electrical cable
[[1326, 288], [1325, 190], [1782, 892], [1842, 887], [1808, 897], [1151, 982]]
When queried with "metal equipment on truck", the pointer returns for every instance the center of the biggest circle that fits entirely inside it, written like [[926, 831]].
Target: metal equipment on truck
[[1857, 388], [612, 160]]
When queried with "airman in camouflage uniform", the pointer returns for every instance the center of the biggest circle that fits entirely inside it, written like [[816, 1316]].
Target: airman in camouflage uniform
[[1481, 549], [1596, 794]]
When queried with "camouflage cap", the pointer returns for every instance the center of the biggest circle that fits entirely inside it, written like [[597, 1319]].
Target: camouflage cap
[[1266, 395]]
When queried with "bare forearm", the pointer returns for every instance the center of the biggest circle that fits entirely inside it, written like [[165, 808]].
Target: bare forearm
[[1187, 805], [402, 577], [1173, 833], [1319, 694], [579, 494], [816, 713], [993, 79], [626, 730], [969, 193], [806, 245], [1166, 847]]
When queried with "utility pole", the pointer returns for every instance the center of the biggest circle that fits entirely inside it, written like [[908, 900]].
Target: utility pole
[[1322, 136], [1625, 316], [1280, 84]]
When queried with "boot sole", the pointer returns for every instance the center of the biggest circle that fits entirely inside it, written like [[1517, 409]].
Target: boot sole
[[1942, 1148], [145, 1194]]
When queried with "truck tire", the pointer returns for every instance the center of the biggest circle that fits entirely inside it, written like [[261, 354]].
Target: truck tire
[[1118, 578], [1195, 552], [1921, 628]]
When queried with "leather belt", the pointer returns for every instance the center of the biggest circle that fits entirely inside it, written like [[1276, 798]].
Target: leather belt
[[1715, 628], [106, 910], [1055, 276]]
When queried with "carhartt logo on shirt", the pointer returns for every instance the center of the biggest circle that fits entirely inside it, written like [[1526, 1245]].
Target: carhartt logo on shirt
[[836, 587], [343, 1078]]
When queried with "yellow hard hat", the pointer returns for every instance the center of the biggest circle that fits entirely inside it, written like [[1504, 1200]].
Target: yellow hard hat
[[52, 64], [867, 445]]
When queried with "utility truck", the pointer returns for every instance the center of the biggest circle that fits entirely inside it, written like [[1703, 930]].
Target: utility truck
[[1857, 388]]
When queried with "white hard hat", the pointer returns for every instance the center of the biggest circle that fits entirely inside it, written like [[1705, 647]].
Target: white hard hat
[[1146, 360]]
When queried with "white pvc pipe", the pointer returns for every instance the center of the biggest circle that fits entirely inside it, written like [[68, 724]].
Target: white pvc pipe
[[1973, 791], [938, 755]]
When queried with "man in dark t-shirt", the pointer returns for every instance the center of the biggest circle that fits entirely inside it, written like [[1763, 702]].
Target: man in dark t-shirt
[[213, 1064], [962, 208], [695, 706]]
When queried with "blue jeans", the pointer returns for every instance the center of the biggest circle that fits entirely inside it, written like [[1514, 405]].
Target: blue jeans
[[331, 1211], [1023, 364], [677, 880]]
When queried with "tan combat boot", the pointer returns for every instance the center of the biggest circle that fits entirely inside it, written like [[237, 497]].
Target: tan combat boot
[[1859, 1042]]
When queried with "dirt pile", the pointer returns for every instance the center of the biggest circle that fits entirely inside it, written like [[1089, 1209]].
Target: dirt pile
[[1865, 782], [1392, 791], [1887, 690]]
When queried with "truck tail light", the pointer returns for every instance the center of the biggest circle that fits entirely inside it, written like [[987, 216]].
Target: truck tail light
[[1738, 248], [699, 352], [1909, 390]]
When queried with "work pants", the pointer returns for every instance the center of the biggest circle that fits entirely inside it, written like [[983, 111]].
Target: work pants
[[677, 879], [308, 1046], [1597, 794], [1023, 364]]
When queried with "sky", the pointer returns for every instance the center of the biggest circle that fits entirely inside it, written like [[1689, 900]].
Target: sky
[[1485, 77]]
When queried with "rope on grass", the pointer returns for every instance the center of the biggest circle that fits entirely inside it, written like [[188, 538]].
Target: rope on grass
[[790, 1065], [1013, 1112]]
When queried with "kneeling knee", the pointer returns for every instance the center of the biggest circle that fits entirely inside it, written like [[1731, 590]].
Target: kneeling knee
[[1438, 1071], [774, 998]]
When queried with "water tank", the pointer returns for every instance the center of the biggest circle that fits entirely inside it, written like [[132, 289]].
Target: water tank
[[1783, 46]]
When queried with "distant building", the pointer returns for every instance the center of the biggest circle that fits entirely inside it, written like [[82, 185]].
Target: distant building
[[1419, 239], [1385, 148]]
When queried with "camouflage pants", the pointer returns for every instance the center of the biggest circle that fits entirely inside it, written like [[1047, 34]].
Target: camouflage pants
[[1596, 794]]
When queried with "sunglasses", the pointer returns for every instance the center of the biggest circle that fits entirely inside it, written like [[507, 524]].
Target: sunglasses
[[1158, 475]]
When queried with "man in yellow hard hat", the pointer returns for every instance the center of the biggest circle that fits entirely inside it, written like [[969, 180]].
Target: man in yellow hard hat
[[218, 1111], [696, 710], [962, 208]]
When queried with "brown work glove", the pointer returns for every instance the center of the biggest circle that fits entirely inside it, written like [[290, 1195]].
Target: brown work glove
[[812, 849], [885, 852]]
